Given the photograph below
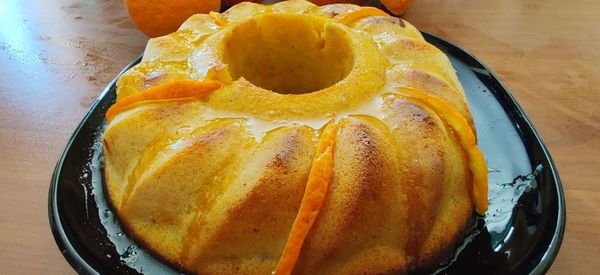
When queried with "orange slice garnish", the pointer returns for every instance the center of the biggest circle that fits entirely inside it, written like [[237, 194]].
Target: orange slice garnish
[[466, 137], [177, 89], [319, 178]]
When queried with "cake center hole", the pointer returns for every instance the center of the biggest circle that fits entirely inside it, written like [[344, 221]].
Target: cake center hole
[[288, 53]]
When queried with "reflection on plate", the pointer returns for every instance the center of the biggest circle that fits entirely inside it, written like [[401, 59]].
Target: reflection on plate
[[521, 232]]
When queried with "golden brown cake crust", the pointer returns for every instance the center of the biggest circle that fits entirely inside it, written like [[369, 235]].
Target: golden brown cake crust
[[216, 183]]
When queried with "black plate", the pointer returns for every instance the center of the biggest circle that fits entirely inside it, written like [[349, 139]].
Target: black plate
[[521, 233]]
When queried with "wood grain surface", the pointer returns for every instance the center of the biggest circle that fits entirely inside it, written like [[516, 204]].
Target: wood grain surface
[[57, 56]]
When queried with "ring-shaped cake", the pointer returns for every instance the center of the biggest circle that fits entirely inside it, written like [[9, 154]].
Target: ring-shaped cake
[[297, 139]]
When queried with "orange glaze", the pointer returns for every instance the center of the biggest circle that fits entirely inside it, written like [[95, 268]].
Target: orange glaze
[[321, 175], [458, 123], [176, 89]]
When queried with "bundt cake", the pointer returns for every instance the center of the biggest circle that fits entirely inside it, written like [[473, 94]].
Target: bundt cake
[[293, 138]]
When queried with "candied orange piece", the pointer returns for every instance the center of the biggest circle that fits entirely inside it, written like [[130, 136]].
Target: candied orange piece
[[160, 17], [466, 137], [319, 178], [177, 89]]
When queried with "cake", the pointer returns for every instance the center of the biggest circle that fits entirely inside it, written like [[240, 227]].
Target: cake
[[293, 138]]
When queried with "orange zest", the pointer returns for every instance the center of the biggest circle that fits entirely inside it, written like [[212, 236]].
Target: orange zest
[[467, 139], [359, 13], [319, 178], [177, 89], [159, 17]]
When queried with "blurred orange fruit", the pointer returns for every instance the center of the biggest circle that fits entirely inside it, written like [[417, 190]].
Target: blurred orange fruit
[[397, 7], [327, 2], [161, 17], [229, 3]]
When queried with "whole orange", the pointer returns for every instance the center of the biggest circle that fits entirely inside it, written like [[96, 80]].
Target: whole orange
[[229, 3], [327, 2], [397, 7], [161, 17]]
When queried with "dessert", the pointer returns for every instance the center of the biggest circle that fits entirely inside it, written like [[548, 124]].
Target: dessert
[[297, 139]]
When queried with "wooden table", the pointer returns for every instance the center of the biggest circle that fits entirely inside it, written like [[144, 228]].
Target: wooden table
[[57, 56]]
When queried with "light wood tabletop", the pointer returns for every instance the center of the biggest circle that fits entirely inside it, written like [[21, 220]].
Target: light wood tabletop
[[57, 56]]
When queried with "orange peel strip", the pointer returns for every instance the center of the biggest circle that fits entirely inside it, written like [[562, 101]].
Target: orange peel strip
[[467, 139], [319, 178], [359, 13], [176, 89]]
